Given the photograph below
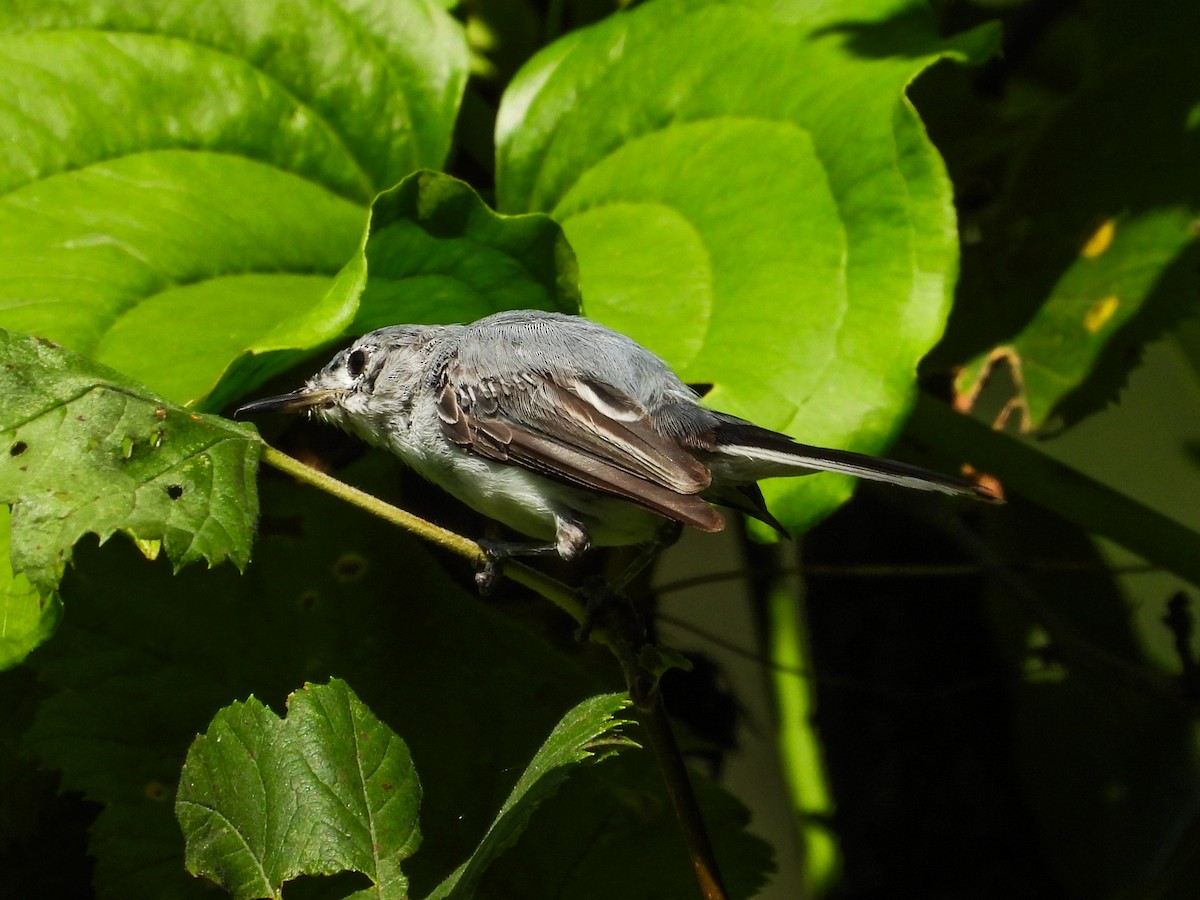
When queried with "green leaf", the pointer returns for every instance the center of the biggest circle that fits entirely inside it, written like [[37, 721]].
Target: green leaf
[[621, 812], [1088, 708], [145, 659], [436, 253], [26, 618], [1085, 502], [590, 731], [1093, 249], [1187, 339], [86, 450], [328, 789], [433, 252], [751, 195], [25, 791], [174, 164]]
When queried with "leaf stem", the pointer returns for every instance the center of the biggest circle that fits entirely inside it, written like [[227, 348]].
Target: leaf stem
[[1088, 503], [683, 799]]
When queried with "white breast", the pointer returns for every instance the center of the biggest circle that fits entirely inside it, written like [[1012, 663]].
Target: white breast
[[521, 499]]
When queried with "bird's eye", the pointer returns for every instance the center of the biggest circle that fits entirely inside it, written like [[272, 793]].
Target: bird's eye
[[355, 363]]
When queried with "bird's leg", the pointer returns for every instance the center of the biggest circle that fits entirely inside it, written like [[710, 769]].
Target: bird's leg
[[497, 553], [570, 540]]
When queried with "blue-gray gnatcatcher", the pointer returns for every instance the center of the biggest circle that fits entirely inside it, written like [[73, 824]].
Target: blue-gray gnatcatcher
[[564, 430]]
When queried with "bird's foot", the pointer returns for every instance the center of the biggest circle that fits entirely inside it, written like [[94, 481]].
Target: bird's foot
[[497, 553]]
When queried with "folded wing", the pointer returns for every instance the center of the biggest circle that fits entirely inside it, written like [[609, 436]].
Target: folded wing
[[580, 432]]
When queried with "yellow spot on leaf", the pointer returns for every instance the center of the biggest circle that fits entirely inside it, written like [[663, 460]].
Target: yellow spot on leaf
[[1100, 240], [150, 549], [1102, 310]]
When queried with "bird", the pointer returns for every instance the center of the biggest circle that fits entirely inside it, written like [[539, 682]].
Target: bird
[[566, 431]]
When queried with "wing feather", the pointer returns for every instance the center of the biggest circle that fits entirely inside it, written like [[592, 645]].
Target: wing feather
[[586, 434]]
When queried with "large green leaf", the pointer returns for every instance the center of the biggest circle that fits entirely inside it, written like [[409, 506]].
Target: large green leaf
[[751, 195], [145, 658], [26, 617], [1093, 248], [328, 789], [436, 253], [433, 253], [90, 451], [587, 732], [173, 165], [1088, 711]]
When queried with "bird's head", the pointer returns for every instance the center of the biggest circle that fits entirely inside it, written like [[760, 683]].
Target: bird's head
[[368, 388]]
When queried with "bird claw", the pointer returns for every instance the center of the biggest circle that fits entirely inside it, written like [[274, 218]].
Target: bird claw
[[496, 554], [486, 578]]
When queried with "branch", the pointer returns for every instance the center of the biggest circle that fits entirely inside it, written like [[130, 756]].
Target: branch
[[1088, 503], [561, 595], [683, 800]]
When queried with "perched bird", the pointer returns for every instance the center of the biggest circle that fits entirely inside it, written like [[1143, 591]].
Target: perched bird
[[564, 430]]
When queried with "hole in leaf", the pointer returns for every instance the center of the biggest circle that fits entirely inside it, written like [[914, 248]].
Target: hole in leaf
[[174, 491], [349, 567], [18, 448], [309, 600]]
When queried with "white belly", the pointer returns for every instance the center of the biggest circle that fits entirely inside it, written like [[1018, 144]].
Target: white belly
[[525, 501]]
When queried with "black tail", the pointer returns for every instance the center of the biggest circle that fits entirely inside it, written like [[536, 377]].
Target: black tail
[[737, 438]]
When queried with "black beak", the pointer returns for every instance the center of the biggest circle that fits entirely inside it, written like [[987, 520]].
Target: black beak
[[293, 402]]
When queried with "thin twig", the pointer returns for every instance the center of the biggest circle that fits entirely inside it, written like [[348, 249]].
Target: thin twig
[[1064, 635], [945, 570], [683, 800], [844, 682]]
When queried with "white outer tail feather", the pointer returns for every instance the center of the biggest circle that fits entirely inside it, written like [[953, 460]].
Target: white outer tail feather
[[774, 463]]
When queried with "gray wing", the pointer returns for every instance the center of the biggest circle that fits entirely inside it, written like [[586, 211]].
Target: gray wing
[[577, 431]]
